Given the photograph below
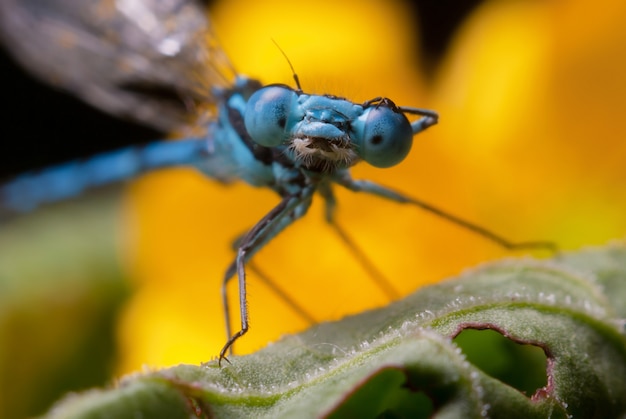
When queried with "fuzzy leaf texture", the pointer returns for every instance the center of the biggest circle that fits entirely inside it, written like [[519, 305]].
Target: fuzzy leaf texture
[[553, 344]]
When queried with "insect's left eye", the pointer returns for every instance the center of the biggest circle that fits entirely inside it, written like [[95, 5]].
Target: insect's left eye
[[267, 114], [384, 137]]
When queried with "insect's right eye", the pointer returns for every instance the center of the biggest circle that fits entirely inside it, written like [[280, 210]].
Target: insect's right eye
[[384, 136], [267, 114]]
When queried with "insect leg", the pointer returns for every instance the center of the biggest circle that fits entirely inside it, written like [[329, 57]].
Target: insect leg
[[428, 118], [290, 208], [373, 272], [384, 192], [276, 289]]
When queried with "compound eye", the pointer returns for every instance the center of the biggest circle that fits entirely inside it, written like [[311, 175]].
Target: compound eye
[[267, 114], [386, 137]]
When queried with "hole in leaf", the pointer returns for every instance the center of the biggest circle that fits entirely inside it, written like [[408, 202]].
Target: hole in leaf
[[405, 403], [522, 366], [385, 395]]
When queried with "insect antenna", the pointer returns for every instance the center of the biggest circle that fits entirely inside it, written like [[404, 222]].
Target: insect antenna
[[293, 71]]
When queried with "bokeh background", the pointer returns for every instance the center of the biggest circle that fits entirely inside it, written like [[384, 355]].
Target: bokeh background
[[530, 144]]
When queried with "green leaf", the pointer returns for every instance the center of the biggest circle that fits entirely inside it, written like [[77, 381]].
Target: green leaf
[[61, 286], [403, 360]]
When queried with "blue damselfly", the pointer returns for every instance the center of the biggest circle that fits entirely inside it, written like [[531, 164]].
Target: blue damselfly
[[155, 61]]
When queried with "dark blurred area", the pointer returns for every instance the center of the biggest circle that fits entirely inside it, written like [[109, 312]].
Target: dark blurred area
[[43, 126]]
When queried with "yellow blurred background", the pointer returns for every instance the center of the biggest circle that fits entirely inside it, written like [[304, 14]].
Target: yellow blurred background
[[530, 144]]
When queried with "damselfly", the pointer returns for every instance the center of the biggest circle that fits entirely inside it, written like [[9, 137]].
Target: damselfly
[[153, 60]]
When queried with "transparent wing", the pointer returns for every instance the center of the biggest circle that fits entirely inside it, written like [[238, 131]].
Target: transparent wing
[[151, 61]]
